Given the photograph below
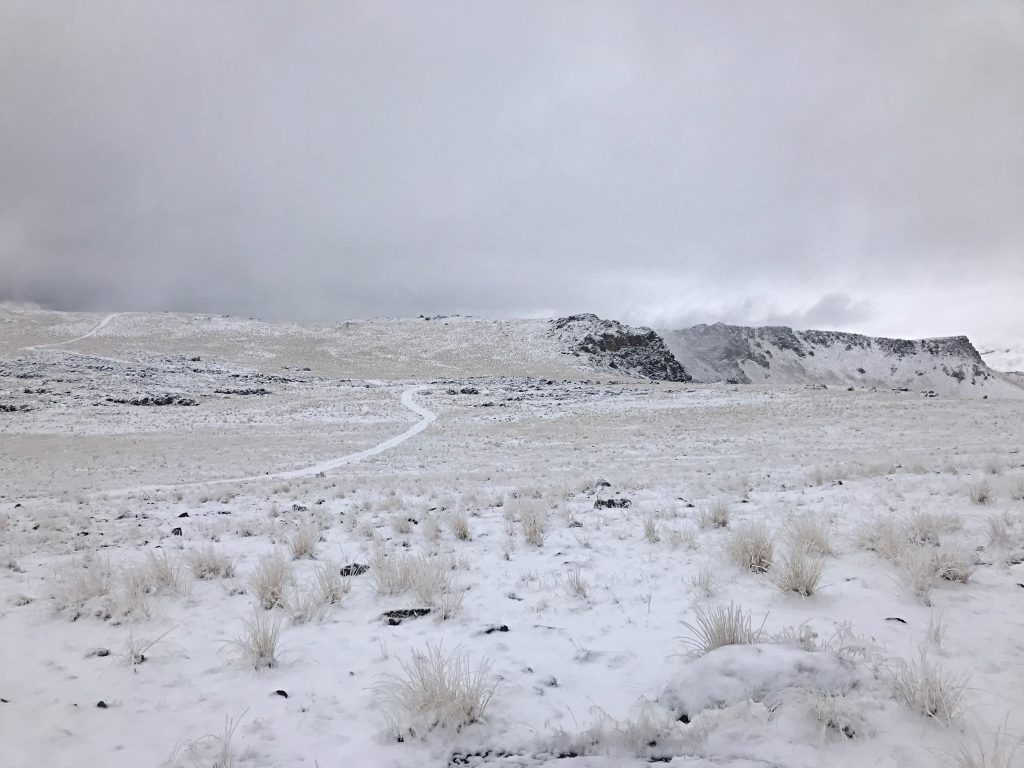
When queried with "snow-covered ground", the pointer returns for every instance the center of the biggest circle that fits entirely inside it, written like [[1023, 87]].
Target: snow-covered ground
[[482, 469], [1005, 356]]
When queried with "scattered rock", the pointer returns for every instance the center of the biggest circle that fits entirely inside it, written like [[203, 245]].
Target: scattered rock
[[175, 531], [492, 630], [896, 618], [98, 653], [183, 514], [282, 693], [613, 504], [354, 569], [101, 704], [150, 400], [394, 618]]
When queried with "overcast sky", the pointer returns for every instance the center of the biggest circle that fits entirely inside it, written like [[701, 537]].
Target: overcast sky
[[855, 165]]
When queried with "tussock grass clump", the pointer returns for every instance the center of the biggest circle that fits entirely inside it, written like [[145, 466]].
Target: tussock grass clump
[[162, 573], [799, 571], [270, 580], [332, 585], [885, 536], [260, 641], [953, 563], [303, 542], [980, 492], [77, 584], [651, 530], [751, 546], [809, 534], [435, 690], [306, 604], [1001, 753], [208, 562], [926, 688], [719, 626], [705, 583], [1016, 487], [427, 577], [714, 514], [458, 524], [535, 524], [575, 582], [926, 527]]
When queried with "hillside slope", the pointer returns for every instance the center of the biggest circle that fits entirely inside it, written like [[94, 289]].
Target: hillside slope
[[576, 347], [781, 356]]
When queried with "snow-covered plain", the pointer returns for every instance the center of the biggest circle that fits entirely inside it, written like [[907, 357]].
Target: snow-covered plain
[[587, 632]]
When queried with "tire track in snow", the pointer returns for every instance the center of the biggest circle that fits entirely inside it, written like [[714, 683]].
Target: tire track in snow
[[88, 334], [427, 417]]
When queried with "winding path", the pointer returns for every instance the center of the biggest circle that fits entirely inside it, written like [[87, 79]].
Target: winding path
[[427, 417], [91, 332]]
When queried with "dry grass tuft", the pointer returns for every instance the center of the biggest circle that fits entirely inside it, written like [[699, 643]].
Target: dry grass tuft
[[799, 571], [927, 689], [751, 546], [435, 691], [719, 626]]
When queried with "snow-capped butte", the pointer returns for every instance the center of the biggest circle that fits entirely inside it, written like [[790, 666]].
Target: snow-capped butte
[[781, 356]]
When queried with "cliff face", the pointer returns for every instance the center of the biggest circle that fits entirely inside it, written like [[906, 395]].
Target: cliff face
[[782, 356], [608, 344]]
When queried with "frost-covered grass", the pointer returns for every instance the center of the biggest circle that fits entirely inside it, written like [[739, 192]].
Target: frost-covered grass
[[584, 615]]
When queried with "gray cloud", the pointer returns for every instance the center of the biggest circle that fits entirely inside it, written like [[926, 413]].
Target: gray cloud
[[839, 164]]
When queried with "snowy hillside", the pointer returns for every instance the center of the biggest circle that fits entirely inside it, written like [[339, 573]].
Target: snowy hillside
[[225, 542], [574, 347], [1005, 356], [778, 355]]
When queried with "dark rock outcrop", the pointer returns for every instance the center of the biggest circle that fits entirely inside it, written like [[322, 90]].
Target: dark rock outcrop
[[621, 348]]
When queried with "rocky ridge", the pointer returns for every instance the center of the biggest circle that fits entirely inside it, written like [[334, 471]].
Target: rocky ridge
[[780, 355], [608, 344]]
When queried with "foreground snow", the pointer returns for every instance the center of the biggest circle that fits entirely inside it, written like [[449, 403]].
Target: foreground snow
[[588, 629]]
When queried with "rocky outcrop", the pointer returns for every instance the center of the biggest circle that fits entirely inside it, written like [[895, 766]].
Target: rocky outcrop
[[608, 344], [779, 355]]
